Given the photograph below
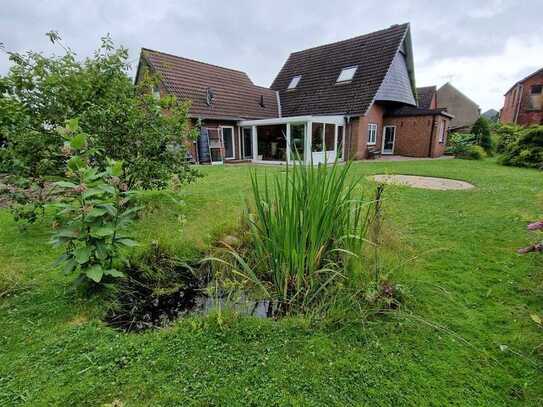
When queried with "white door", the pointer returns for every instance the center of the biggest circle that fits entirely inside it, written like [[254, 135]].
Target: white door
[[228, 142], [247, 142], [389, 135], [323, 143]]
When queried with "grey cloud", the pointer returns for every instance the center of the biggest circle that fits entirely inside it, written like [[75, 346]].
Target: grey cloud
[[257, 36]]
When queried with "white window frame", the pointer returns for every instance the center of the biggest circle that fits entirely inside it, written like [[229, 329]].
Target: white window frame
[[347, 74], [383, 140], [372, 130], [442, 132], [294, 82], [233, 142]]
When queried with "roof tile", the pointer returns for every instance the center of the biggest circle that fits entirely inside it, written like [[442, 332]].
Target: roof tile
[[235, 95], [318, 93]]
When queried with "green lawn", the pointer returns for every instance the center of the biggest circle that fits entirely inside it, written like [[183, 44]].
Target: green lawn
[[470, 294]]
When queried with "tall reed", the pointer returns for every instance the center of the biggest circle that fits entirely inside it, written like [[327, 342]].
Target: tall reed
[[307, 230]]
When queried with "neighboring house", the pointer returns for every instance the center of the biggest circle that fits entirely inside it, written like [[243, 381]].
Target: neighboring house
[[220, 98], [427, 97], [465, 111], [523, 103], [492, 115], [351, 98]]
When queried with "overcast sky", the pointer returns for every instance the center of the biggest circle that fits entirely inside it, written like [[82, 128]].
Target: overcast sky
[[482, 47]]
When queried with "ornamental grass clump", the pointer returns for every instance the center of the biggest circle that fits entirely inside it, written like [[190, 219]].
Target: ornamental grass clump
[[306, 234]]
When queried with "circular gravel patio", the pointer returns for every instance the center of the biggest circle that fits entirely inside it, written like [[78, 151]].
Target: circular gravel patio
[[415, 181]]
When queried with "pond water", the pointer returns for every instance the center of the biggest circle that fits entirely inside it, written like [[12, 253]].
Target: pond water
[[150, 310]]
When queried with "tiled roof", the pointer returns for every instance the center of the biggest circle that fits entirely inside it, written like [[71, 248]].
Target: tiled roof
[[425, 95], [539, 71], [235, 95], [416, 111], [317, 91]]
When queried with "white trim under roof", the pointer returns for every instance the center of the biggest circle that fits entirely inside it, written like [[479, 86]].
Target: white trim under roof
[[339, 120]]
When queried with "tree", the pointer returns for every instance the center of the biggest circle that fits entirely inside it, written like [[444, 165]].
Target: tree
[[94, 217], [481, 129], [41, 93]]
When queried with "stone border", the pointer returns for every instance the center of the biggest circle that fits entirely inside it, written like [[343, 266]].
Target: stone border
[[416, 181]]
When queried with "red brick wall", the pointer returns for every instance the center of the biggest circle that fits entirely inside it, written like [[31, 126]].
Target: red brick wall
[[433, 103], [413, 135], [521, 95], [359, 146]]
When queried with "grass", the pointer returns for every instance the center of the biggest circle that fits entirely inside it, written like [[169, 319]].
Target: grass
[[469, 294]]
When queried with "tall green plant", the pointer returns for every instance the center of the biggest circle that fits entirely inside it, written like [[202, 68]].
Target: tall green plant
[[306, 229], [481, 129], [94, 218]]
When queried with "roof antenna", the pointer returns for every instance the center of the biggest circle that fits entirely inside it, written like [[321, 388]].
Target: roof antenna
[[210, 96]]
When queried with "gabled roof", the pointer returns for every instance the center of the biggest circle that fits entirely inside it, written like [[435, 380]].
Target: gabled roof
[[319, 67], [417, 111], [425, 95], [234, 94], [539, 71]]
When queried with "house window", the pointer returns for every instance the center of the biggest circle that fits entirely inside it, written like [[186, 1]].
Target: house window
[[297, 141], [536, 89], [317, 141], [442, 131], [294, 82], [339, 147], [372, 134], [347, 74]]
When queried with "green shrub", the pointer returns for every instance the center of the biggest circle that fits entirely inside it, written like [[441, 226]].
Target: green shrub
[[40, 93], [506, 134], [465, 146], [482, 132], [458, 142], [526, 150], [93, 218], [472, 153]]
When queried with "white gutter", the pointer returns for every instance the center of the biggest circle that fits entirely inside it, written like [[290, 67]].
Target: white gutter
[[293, 119], [278, 103]]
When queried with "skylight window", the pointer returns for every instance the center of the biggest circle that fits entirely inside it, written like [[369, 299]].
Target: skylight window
[[347, 74], [294, 82]]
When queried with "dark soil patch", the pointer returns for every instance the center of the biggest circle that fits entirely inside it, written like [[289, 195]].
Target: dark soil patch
[[159, 288]]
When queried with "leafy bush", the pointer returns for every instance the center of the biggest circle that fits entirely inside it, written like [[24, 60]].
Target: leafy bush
[[464, 146], [482, 131], [27, 198], [472, 153], [526, 150], [505, 135], [94, 217], [40, 93]]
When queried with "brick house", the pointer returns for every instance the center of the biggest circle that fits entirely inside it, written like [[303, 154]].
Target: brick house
[[465, 111], [523, 102], [352, 98]]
